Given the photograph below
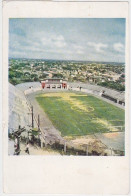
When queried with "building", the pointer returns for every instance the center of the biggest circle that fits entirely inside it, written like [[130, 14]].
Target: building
[[54, 83]]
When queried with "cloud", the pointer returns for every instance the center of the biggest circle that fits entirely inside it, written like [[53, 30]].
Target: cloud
[[78, 49], [58, 38], [59, 41], [118, 47], [53, 41], [49, 38], [80, 52], [98, 46], [60, 44]]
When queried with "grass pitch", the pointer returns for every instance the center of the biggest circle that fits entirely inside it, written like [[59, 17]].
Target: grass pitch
[[76, 114]]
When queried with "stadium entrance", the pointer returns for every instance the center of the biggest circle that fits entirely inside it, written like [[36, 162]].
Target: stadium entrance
[[54, 83]]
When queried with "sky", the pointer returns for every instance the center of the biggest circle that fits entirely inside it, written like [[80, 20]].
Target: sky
[[82, 39]]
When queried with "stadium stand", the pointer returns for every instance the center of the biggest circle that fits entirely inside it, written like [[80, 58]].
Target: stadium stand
[[18, 109], [28, 85], [113, 95]]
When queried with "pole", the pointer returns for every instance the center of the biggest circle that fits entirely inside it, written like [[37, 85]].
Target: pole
[[32, 117], [38, 122], [111, 151], [65, 147], [87, 150], [39, 130]]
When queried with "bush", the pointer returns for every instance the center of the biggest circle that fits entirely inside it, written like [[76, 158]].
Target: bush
[[113, 85]]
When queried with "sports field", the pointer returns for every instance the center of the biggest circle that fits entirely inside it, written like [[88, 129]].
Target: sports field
[[79, 114]]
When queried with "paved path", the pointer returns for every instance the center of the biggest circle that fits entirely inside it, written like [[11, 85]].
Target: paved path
[[34, 150], [114, 140]]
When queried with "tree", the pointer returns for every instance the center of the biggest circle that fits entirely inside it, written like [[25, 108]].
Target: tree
[[57, 75], [11, 74]]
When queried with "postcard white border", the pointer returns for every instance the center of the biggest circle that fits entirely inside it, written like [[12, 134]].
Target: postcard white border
[[63, 174]]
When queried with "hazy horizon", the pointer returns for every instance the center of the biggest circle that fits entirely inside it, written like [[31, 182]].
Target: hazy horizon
[[65, 60]]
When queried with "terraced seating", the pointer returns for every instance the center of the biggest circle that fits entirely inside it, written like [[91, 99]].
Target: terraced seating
[[98, 89], [18, 109], [28, 85]]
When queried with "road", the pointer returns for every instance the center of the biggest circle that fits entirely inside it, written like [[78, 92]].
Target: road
[[34, 150]]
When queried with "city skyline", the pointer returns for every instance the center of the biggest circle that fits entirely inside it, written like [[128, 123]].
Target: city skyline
[[68, 39]]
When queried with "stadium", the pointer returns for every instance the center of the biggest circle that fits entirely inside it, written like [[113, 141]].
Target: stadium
[[75, 118]]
